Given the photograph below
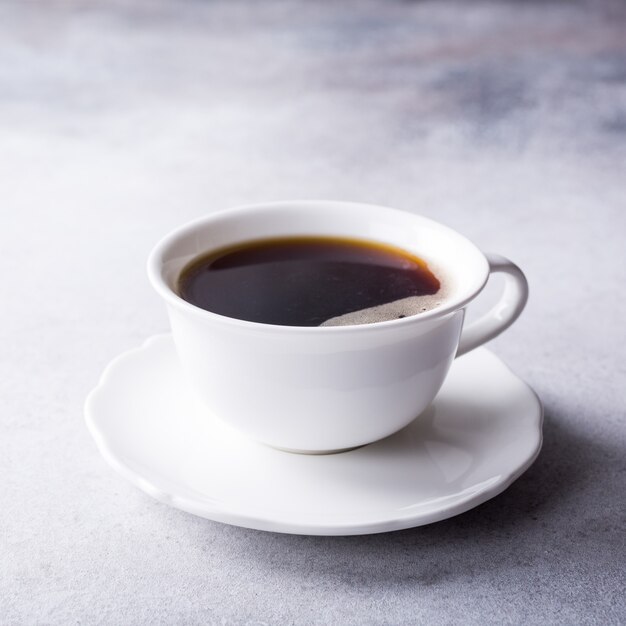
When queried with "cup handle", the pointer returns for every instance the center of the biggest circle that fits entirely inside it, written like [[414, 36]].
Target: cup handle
[[504, 312]]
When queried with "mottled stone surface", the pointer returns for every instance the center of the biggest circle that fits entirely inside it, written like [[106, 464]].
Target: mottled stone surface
[[119, 120]]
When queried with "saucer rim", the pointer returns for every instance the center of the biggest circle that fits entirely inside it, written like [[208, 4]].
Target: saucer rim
[[215, 511]]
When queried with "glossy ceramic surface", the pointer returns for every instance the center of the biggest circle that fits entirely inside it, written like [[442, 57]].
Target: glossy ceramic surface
[[481, 433], [347, 385]]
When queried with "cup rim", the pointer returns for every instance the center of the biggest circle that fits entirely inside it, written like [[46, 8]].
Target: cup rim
[[450, 305]]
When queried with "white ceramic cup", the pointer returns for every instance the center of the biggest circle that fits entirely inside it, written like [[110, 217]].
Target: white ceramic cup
[[322, 389]]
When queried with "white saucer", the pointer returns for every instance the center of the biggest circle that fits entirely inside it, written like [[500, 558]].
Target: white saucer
[[481, 433]]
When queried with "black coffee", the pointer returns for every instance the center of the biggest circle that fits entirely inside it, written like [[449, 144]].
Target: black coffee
[[304, 281]]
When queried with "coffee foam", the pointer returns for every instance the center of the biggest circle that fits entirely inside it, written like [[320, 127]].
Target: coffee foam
[[398, 309]]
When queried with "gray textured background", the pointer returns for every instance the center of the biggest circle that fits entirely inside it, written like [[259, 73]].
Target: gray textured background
[[120, 120]]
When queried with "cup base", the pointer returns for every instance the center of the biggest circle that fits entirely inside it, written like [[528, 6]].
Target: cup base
[[315, 452]]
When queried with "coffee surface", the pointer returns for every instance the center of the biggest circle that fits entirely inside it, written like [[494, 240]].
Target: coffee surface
[[310, 281]]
